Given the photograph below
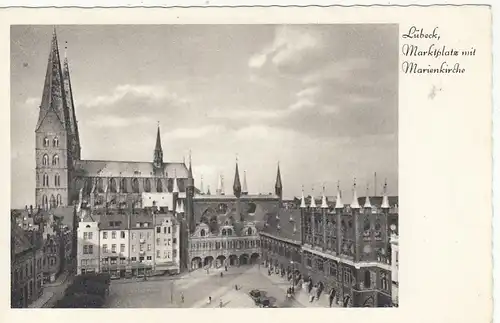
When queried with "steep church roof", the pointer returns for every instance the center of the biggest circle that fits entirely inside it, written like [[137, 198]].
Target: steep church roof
[[104, 168], [72, 124], [53, 97]]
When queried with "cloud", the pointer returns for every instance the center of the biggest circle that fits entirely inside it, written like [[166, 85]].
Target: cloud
[[309, 91], [338, 70], [197, 132], [242, 113], [32, 101], [114, 121], [301, 104], [120, 92], [290, 45]]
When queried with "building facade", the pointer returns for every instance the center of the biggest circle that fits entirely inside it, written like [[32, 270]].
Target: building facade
[[26, 266]]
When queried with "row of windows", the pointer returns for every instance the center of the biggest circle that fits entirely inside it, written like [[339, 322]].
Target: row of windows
[[166, 230], [166, 241], [113, 248], [113, 234], [55, 160], [54, 202], [113, 187], [236, 244], [45, 180], [227, 232], [55, 142]]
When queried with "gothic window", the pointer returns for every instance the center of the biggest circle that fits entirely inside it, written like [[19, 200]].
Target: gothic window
[[59, 199], [333, 270], [112, 185], [367, 281], [57, 180], [249, 231], [55, 160], [159, 186], [123, 185], [55, 142], [100, 186], [229, 232], [135, 185], [45, 180], [222, 208], [202, 232], [251, 207], [45, 160], [319, 264], [147, 185], [45, 142], [223, 232], [44, 201], [52, 201]]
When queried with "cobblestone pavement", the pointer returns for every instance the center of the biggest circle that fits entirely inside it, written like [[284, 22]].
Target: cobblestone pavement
[[197, 287]]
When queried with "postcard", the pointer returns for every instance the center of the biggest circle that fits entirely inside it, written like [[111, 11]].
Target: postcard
[[260, 159]]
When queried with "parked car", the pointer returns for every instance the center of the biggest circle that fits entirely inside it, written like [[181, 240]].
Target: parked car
[[264, 302], [256, 294]]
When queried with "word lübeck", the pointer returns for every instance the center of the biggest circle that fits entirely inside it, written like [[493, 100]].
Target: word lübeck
[[444, 68]]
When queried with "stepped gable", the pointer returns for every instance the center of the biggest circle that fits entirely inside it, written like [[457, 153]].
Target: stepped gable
[[287, 219]]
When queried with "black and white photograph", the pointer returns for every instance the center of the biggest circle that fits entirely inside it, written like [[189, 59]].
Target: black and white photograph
[[204, 166]]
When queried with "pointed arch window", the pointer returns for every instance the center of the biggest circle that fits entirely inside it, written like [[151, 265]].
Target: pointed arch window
[[45, 142], [249, 231], [159, 186], [52, 201], [112, 185], [202, 232], [45, 160], [100, 185], [55, 142], [147, 185], [57, 180], [123, 185], [223, 232], [59, 200], [135, 185], [44, 201], [55, 160], [45, 180]]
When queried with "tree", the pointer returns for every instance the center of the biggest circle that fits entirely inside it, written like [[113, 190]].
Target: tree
[[87, 287], [80, 301]]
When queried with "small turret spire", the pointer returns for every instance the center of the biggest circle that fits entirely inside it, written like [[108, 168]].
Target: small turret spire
[[313, 200], [237, 184], [324, 204], [244, 190], [208, 190], [158, 153], [190, 164], [367, 199], [338, 201], [355, 202], [201, 185], [278, 187], [175, 186], [302, 199], [385, 198]]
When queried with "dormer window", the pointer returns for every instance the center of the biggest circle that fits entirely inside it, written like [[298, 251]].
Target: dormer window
[[55, 142], [45, 142]]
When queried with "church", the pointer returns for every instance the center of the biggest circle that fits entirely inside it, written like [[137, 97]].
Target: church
[[223, 228]]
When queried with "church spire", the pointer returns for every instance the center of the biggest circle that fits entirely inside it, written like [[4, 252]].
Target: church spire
[[158, 153], [237, 183], [53, 98], [71, 123], [278, 187], [190, 170], [244, 190]]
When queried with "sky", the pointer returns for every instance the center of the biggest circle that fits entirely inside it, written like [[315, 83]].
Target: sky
[[322, 100]]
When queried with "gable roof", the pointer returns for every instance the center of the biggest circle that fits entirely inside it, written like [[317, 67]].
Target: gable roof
[[108, 168]]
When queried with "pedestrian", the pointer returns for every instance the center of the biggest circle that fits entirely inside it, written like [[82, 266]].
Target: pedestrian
[[330, 298], [182, 297], [220, 304], [221, 274], [311, 298], [209, 300], [225, 267]]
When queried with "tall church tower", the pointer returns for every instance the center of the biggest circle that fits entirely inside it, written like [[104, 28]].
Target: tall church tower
[[158, 153], [278, 187], [57, 143]]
